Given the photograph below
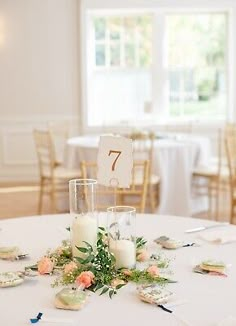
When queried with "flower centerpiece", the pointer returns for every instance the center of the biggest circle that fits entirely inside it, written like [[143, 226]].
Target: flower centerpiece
[[96, 271]]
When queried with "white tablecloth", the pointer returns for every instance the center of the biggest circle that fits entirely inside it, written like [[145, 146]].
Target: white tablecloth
[[173, 160], [209, 299]]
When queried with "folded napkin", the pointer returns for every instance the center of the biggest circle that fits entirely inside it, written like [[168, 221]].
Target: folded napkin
[[228, 321], [219, 236]]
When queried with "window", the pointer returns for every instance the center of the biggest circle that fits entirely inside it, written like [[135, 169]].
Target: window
[[122, 41], [120, 81], [148, 64], [197, 65]]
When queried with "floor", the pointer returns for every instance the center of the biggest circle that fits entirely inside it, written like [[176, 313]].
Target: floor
[[23, 201]]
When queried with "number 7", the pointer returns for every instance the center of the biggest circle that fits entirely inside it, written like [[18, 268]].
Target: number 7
[[114, 163]]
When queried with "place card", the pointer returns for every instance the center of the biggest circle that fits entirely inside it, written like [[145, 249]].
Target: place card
[[11, 253], [154, 294], [115, 161]]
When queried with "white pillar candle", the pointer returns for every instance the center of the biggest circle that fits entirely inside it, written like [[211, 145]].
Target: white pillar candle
[[124, 252], [84, 228]]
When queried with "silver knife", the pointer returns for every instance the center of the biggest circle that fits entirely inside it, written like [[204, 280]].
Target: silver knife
[[203, 228]]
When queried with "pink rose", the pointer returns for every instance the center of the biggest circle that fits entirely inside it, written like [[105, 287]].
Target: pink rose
[[142, 255], [153, 270], [70, 267], [45, 266], [85, 279]]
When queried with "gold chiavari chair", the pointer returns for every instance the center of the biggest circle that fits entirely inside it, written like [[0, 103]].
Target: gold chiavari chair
[[134, 196], [230, 143], [53, 177], [215, 175], [60, 133], [143, 145]]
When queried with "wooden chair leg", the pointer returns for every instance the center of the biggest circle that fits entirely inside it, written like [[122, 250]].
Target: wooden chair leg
[[53, 198], [144, 200], [217, 195], [151, 194], [209, 199], [232, 212], [40, 201]]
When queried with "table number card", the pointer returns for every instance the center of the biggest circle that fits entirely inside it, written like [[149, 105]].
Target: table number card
[[115, 161]]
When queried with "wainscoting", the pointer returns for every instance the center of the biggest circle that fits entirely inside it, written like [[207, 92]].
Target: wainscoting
[[18, 162]]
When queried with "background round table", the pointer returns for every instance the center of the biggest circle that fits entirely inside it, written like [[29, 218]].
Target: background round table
[[209, 299], [173, 160]]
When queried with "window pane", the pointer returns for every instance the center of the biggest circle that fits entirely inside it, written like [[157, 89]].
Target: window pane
[[114, 27], [100, 28], [130, 55], [129, 28], [197, 74], [144, 35], [115, 54], [100, 55]]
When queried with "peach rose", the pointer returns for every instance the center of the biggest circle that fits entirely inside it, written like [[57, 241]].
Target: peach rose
[[45, 266], [70, 267], [127, 272], [153, 270], [85, 279], [116, 282], [142, 255]]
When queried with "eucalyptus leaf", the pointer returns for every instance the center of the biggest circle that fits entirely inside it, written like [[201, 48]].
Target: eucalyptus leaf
[[88, 245], [89, 259], [111, 292], [98, 286], [119, 286], [105, 289], [82, 249], [80, 260]]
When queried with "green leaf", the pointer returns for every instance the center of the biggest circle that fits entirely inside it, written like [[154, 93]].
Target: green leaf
[[88, 245], [111, 292], [105, 289], [82, 249], [88, 259], [119, 286], [80, 260], [68, 228], [98, 286]]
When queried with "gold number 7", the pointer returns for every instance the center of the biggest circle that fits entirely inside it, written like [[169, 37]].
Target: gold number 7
[[114, 163]]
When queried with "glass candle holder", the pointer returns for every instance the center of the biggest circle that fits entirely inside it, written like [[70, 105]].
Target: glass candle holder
[[82, 194], [121, 231]]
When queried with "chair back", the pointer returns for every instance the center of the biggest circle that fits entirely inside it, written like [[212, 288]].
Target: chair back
[[230, 144], [143, 145], [134, 196], [45, 153], [59, 133]]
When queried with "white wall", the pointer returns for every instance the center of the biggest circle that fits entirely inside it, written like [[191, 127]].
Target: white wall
[[39, 76]]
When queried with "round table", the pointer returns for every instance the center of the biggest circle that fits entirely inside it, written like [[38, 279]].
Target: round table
[[173, 160], [209, 299]]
